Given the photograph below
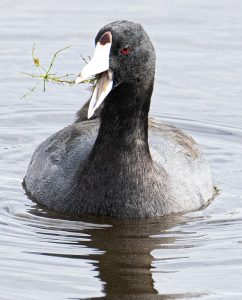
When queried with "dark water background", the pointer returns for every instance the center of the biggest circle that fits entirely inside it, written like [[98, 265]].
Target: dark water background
[[198, 88]]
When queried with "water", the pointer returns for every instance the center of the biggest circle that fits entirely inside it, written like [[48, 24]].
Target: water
[[198, 88]]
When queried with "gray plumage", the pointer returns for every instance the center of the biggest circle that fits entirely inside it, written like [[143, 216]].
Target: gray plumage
[[121, 164]]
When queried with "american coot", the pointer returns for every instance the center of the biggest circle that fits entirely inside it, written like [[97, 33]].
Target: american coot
[[120, 164]]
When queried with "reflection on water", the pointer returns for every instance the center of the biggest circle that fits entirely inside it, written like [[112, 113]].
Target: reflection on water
[[122, 253], [198, 88]]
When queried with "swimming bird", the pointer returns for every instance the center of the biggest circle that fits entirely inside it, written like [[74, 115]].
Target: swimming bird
[[120, 163]]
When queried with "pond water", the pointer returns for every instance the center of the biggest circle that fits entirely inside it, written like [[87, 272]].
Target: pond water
[[198, 88]]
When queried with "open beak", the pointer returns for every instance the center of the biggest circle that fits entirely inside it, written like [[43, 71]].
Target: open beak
[[99, 64]]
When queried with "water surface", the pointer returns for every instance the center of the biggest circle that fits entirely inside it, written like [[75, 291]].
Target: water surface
[[198, 88]]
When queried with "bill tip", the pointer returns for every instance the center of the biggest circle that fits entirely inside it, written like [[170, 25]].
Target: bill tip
[[89, 114], [78, 80]]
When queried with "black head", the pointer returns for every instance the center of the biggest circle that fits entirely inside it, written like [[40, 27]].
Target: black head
[[124, 58], [132, 55]]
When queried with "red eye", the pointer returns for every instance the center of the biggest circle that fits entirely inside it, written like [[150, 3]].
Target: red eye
[[125, 50]]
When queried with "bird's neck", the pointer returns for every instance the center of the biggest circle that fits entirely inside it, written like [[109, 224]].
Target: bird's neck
[[124, 123]]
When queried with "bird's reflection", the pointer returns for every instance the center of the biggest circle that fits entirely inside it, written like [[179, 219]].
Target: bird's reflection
[[125, 265]]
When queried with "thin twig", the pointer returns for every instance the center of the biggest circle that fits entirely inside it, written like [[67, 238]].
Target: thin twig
[[30, 91], [54, 57], [45, 75]]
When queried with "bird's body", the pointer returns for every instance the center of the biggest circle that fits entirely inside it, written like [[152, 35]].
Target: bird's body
[[56, 169], [121, 164]]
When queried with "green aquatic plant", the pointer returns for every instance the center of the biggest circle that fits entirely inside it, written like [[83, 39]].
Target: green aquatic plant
[[46, 75]]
